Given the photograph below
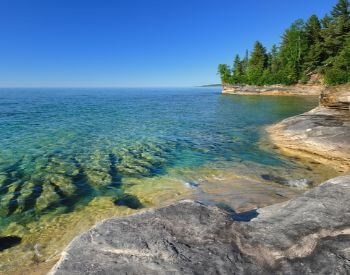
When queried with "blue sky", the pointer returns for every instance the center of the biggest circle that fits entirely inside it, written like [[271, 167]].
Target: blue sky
[[134, 42]]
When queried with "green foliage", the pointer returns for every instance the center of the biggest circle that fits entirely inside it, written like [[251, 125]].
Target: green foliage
[[339, 72], [317, 46], [237, 71], [256, 65], [224, 71], [293, 51]]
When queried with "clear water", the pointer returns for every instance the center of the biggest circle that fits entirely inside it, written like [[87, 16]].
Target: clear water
[[61, 149]]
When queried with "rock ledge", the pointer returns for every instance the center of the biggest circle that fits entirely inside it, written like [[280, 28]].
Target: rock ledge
[[307, 235]]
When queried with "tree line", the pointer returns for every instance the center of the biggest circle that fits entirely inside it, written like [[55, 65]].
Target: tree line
[[316, 46]]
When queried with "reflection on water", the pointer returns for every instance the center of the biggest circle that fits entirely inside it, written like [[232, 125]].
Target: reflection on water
[[71, 157]]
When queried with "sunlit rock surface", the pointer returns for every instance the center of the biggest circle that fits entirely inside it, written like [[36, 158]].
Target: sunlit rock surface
[[306, 235], [322, 134], [337, 97], [298, 89]]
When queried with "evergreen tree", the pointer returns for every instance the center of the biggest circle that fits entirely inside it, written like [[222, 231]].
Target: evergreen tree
[[245, 62], [321, 46], [315, 55], [336, 29], [341, 9], [275, 66], [293, 49], [339, 73], [237, 71], [257, 64], [224, 72]]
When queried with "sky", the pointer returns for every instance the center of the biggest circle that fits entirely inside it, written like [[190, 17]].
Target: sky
[[135, 43]]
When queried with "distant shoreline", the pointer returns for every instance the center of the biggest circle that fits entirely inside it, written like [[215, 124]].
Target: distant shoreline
[[209, 85]]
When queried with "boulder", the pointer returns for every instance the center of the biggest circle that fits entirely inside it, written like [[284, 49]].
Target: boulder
[[306, 235]]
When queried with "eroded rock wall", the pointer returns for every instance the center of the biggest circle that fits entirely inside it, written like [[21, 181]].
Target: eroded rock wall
[[336, 97]]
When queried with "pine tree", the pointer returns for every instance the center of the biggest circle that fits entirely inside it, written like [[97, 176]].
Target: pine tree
[[315, 54], [275, 66], [341, 9], [237, 71], [336, 29], [339, 73], [257, 64], [293, 50]]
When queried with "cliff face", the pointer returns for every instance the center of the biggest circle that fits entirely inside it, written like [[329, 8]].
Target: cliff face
[[307, 235], [337, 97], [299, 89]]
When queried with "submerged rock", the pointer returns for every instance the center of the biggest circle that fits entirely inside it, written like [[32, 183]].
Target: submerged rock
[[299, 183], [306, 235], [9, 241]]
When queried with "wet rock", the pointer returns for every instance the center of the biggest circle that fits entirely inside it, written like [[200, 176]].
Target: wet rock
[[192, 184], [299, 183], [306, 235]]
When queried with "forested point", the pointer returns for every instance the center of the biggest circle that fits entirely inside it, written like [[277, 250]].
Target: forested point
[[317, 46]]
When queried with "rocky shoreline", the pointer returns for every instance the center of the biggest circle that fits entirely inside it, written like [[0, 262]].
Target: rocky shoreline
[[309, 234], [293, 90], [306, 235], [321, 134]]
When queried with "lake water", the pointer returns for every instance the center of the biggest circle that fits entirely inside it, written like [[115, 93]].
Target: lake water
[[69, 157]]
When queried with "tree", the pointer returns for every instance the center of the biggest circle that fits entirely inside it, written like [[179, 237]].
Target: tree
[[339, 73], [275, 66], [321, 46], [341, 9], [257, 64], [293, 51], [315, 54], [237, 71], [224, 72], [336, 29]]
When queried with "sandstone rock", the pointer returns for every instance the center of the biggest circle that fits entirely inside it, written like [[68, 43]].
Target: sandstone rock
[[337, 97], [298, 89], [321, 134], [307, 235]]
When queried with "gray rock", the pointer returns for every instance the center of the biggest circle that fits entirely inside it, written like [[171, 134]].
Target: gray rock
[[306, 235]]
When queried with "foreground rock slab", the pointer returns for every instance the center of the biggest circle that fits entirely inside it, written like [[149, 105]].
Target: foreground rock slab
[[306, 235], [322, 134]]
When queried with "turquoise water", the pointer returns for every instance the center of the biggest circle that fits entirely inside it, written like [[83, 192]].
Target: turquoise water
[[63, 147], [71, 157]]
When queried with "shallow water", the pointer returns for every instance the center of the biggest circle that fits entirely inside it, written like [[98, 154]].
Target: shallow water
[[70, 157]]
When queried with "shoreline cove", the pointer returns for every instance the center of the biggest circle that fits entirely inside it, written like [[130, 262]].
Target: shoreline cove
[[301, 136], [245, 191]]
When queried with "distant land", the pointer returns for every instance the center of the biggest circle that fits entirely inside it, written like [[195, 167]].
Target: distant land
[[210, 85]]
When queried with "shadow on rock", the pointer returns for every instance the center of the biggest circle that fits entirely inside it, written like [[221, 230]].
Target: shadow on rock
[[239, 217]]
